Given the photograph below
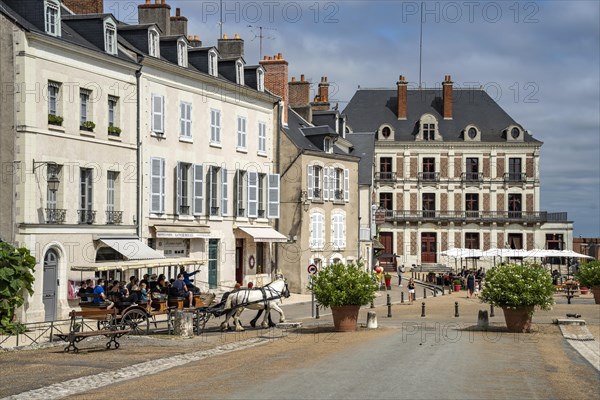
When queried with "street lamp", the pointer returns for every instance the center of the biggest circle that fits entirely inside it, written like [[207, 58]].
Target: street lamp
[[304, 200], [52, 173]]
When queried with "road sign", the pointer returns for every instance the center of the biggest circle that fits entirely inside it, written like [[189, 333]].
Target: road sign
[[312, 269]]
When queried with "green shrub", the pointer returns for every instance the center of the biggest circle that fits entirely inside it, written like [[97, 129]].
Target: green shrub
[[516, 285], [16, 276], [88, 124], [589, 274], [55, 119], [343, 284]]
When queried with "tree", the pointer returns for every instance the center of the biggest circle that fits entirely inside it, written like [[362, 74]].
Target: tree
[[17, 266]]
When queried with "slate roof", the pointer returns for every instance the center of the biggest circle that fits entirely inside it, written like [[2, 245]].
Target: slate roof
[[364, 147], [370, 108]]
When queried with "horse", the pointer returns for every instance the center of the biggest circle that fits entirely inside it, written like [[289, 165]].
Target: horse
[[266, 298]]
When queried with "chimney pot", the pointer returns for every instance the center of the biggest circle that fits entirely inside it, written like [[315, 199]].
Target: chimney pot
[[293, 79], [279, 56], [178, 12], [147, 1], [237, 36], [225, 36], [156, 1], [196, 38], [302, 77], [163, 2]]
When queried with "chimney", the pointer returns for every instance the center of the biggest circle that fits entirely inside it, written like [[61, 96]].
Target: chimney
[[85, 6], [402, 92], [158, 13], [447, 97], [321, 101], [231, 48], [194, 41], [276, 79], [299, 92], [179, 24]]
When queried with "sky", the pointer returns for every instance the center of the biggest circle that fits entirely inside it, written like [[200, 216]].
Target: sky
[[539, 60]]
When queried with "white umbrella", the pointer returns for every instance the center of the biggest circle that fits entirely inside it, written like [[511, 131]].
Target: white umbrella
[[458, 252], [572, 254]]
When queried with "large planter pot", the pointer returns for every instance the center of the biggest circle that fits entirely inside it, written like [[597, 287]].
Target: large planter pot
[[345, 318], [457, 287], [518, 319], [596, 291], [584, 290]]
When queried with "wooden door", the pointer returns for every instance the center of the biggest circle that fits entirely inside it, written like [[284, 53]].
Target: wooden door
[[239, 260], [428, 248]]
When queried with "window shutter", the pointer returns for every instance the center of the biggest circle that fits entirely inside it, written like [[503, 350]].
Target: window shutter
[[155, 183], [157, 113], [346, 185], [252, 194], [310, 181], [236, 191], [333, 229], [198, 189], [224, 195], [326, 183], [274, 194], [209, 179], [163, 181], [322, 238], [178, 184], [343, 231], [182, 120]]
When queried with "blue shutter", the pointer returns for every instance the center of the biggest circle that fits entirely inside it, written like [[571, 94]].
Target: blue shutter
[[252, 194], [198, 189], [273, 195]]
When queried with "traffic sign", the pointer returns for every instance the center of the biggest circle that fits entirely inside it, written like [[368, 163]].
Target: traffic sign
[[312, 269]]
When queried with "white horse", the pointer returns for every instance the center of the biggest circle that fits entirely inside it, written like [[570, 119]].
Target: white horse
[[266, 298]]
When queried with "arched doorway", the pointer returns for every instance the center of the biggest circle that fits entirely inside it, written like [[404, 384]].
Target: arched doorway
[[49, 292]]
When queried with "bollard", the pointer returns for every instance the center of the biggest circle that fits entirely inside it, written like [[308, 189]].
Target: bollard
[[482, 319], [372, 305], [389, 300], [424, 293], [435, 292], [317, 316], [491, 310], [371, 320], [422, 309], [389, 306], [456, 309], [401, 297]]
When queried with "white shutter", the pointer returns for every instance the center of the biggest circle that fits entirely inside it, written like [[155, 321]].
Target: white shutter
[[310, 181], [346, 185], [163, 182], [158, 113], [182, 120], [321, 219], [189, 119], [326, 184], [155, 185], [178, 183], [198, 189], [236, 195], [224, 196], [343, 231], [273, 195], [209, 191], [252, 194], [333, 229]]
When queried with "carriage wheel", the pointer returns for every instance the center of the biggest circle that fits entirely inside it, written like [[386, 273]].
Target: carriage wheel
[[103, 325], [133, 320]]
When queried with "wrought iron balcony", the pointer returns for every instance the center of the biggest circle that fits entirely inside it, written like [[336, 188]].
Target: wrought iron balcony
[[261, 213], [241, 212], [184, 209], [385, 176], [86, 216], [429, 176], [474, 216], [55, 215], [317, 194], [338, 196], [515, 177], [472, 177], [114, 217], [214, 211]]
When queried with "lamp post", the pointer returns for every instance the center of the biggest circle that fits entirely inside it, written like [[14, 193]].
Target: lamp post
[[304, 200]]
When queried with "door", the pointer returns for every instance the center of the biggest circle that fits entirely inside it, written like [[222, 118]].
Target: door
[[213, 262], [239, 260], [50, 283], [387, 240], [428, 248]]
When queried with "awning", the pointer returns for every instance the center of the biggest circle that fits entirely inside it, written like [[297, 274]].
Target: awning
[[128, 265], [131, 248], [377, 245], [264, 234], [182, 231]]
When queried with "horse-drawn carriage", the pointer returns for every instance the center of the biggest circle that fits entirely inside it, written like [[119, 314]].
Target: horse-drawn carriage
[[128, 316]]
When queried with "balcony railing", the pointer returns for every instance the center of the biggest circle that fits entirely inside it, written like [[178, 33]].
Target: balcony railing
[[317, 194], [261, 213], [55, 215], [338, 196], [241, 212], [472, 176], [516, 177], [429, 176], [479, 216], [86, 216], [385, 176], [184, 209], [214, 211], [114, 217]]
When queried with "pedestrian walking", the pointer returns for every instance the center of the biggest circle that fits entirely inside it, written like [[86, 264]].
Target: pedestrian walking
[[470, 284], [411, 290], [400, 270]]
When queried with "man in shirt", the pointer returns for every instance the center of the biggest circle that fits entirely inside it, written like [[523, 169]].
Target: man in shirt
[[182, 290], [100, 295], [188, 281]]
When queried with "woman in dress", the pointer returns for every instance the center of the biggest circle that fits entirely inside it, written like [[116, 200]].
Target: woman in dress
[[411, 290]]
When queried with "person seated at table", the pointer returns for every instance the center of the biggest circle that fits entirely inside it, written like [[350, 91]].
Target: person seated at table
[[100, 296], [153, 282], [145, 295], [162, 286], [82, 292], [121, 295], [90, 285], [181, 289]]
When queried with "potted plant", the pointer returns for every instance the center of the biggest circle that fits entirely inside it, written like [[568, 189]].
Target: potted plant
[[388, 281], [55, 119], [518, 289], [589, 276], [457, 285], [114, 130], [344, 288], [87, 126]]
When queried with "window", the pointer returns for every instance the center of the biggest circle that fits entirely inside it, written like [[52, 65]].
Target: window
[[515, 132], [153, 46], [428, 205], [262, 138], [386, 201], [386, 132], [472, 133], [52, 15], [428, 131], [86, 214], [338, 230], [262, 195], [385, 168], [186, 120], [157, 185], [214, 187], [317, 231], [182, 59], [53, 96], [84, 96], [472, 240], [112, 215], [51, 201], [215, 126], [158, 114], [260, 80], [112, 115], [315, 182], [241, 133], [212, 63], [472, 205], [327, 147], [429, 169], [514, 205], [515, 240], [239, 72], [514, 170], [110, 39], [182, 202], [241, 193], [338, 184], [472, 173]]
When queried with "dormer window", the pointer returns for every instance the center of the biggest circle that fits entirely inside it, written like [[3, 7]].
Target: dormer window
[[327, 145], [153, 48], [239, 72], [110, 39], [182, 59], [260, 80], [514, 134], [212, 63], [471, 134], [428, 128], [52, 16]]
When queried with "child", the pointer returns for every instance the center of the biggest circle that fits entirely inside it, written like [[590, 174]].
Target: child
[[144, 298]]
